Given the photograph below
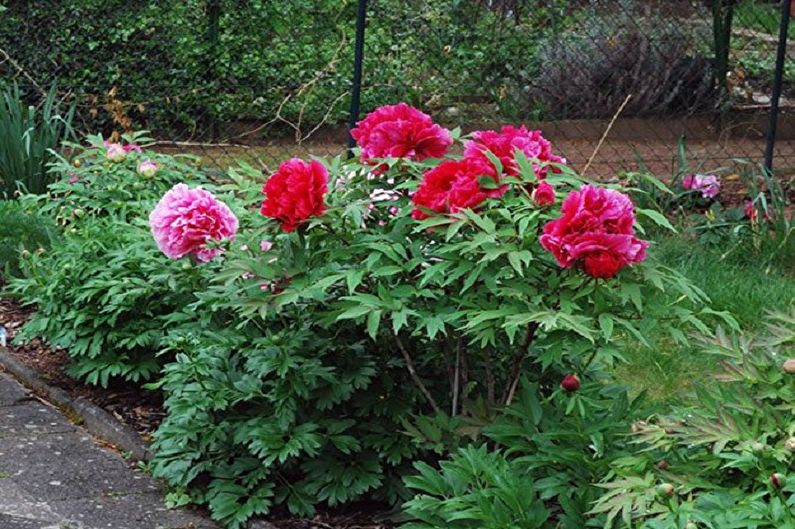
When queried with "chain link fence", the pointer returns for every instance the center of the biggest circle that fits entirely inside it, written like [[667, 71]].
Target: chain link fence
[[265, 80]]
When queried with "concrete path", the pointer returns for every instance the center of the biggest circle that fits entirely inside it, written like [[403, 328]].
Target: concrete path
[[53, 475]]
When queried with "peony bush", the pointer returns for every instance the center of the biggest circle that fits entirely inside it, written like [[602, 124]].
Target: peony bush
[[385, 309], [325, 332], [101, 292]]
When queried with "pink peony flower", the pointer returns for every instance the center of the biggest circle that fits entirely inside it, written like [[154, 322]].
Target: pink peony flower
[[400, 131], [543, 194], [147, 168], [295, 193], [452, 186], [709, 185], [265, 246], [185, 220], [503, 145], [132, 147], [596, 230], [115, 152]]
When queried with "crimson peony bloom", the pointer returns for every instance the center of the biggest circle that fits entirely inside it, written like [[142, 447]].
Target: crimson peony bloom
[[400, 131], [750, 211], [596, 230], [185, 220], [451, 186], [543, 194], [295, 193], [570, 383], [503, 145]]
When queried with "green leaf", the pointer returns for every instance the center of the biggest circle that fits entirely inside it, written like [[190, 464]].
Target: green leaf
[[373, 321], [657, 217]]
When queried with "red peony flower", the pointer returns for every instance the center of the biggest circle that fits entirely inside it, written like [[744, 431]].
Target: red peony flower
[[503, 145], [452, 186], [543, 194], [750, 211], [400, 131], [295, 193], [596, 230], [570, 383]]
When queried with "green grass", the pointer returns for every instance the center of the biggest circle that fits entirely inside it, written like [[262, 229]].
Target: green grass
[[737, 284], [765, 18]]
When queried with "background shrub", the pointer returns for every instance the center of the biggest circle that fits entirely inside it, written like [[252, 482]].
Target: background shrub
[[616, 51]]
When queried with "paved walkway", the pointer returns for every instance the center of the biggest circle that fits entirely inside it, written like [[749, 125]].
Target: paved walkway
[[53, 475]]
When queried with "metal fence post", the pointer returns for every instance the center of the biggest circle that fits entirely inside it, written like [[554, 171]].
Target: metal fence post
[[777, 83], [356, 89]]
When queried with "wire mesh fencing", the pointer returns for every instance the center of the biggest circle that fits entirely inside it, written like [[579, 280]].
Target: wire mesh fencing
[[265, 81]]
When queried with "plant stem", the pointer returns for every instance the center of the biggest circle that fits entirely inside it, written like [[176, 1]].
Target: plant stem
[[456, 380], [414, 376], [518, 363]]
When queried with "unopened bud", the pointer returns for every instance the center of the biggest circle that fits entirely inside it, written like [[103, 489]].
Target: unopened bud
[[790, 444], [778, 480], [789, 366], [665, 490]]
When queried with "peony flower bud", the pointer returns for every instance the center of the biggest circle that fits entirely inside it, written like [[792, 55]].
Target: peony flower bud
[[570, 383], [690, 525], [543, 194], [790, 444], [73, 179], [789, 366], [77, 163], [663, 464], [265, 246], [147, 168], [115, 152], [665, 490], [778, 480]]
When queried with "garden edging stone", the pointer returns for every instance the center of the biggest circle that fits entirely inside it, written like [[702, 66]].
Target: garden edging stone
[[93, 418]]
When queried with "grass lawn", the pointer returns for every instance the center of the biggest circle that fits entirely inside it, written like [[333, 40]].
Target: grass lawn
[[737, 284]]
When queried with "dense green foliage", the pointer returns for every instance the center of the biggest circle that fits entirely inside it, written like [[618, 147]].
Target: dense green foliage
[[102, 292], [21, 230], [550, 450], [28, 135], [729, 455]]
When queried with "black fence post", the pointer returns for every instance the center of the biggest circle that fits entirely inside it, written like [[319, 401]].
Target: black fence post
[[356, 89], [777, 83]]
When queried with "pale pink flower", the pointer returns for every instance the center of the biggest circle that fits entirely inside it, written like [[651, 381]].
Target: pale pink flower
[[115, 152], [186, 220], [147, 168], [73, 179], [265, 246], [708, 185]]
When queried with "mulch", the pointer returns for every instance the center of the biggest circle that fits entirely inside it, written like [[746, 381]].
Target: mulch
[[143, 410]]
